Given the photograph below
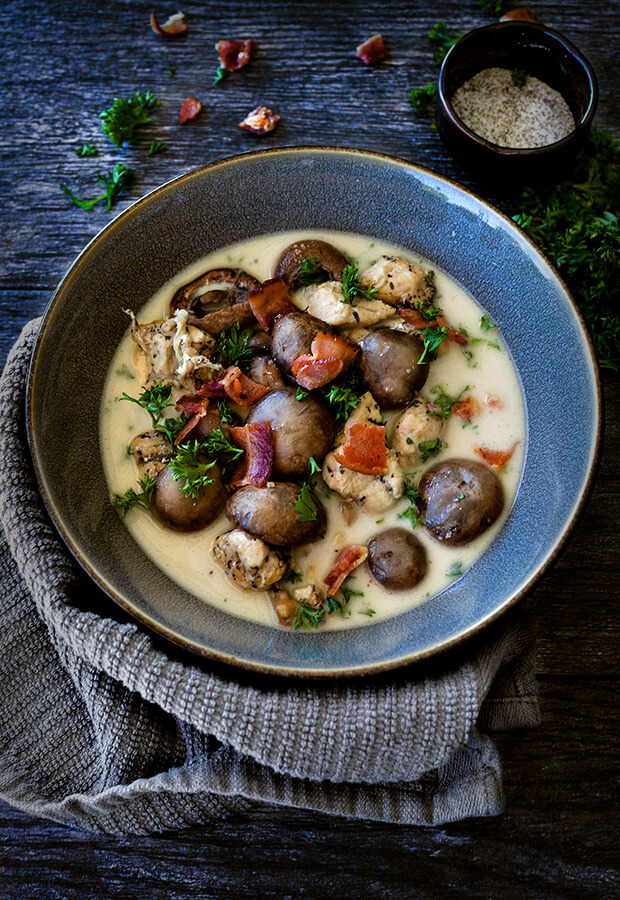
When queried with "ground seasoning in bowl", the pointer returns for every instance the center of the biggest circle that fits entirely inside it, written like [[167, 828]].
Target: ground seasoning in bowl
[[518, 112]]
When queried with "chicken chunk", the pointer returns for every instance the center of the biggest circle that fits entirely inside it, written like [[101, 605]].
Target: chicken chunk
[[412, 428], [151, 451], [173, 352], [247, 561], [283, 606], [374, 493], [398, 282], [308, 595], [326, 302]]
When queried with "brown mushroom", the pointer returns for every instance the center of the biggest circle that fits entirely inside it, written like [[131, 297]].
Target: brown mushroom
[[397, 559], [389, 364], [271, 513], [229, 293], [292, 336], [330, 260], [182, 512]]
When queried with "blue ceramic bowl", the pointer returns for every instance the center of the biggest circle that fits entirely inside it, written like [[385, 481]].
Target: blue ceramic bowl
[[313, 188]]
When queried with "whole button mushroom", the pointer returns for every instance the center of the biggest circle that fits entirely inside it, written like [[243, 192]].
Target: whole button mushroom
[[460, 499], [300, 428], [397, 559], [292, 336], [389, 364], [270, 513], [182, 512]]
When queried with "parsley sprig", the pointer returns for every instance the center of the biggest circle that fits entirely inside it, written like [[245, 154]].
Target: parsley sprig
[[351, 288], [156, 147], [439, 36], [132, 498], [87, 150], [233, 347], [432, 338], [428, 449], [114, 182], [220, 74], [342, 599], [121, 119], [424, 99], [305, 505], [308, 616], [343, 400], [412, 494], [444, 402], [154, 400], [311, 273], [189, 465]]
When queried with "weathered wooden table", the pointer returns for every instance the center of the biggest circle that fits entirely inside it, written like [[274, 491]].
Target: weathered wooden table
[[63, 63]]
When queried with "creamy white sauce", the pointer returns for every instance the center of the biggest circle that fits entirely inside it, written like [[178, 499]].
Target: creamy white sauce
[[186, 558]]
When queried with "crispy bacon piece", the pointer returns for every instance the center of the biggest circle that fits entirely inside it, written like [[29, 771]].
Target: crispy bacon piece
[[364, 450], [172, 27], [234, 54], [347, 560], [372, 50], [190, 109], [255, 466], [412, 317], [465, 409], [269, 301], [260, 121], [492, 401], [197, 406], [520, 15], [331, 355], [496, 459], [234, 384]]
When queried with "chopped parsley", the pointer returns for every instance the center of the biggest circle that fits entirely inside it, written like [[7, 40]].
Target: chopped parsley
[[218, 448], [156, 147], [311, 273], [351, 288], [455, 570], [486, 323], [308, 616], [225, 411], [432, 338], [439, 36], [343, 400], [305, 505], [444, 402], [132, 498], [519, 77], [233, 347], [313, 466], [367, 612], [187, 464], [125, 115], [87, 150], [220, 74], [429, 449], [423, 100], [154, 400], [114, 182], [293, 577], [300, 394], [413, 495], [469, 359], [428, 312], [342, 599], [492, 7], [493, 344]]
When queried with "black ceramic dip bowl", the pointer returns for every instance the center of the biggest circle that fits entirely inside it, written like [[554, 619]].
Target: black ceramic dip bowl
[[541, 52]]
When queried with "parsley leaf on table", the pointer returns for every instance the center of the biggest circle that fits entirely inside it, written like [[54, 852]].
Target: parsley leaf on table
[[423, 100], [439, 35], [114, 182], [121, 119]]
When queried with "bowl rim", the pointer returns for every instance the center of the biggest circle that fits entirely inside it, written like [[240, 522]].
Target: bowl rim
[[289, 671], [482, 144]]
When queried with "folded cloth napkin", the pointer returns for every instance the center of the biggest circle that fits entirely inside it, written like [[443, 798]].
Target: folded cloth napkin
[[107, 727]]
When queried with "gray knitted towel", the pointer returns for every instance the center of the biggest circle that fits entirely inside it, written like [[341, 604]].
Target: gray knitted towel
[[106, 727]]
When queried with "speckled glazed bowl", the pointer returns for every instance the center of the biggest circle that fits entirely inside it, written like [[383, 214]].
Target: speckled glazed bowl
[[312, 188]]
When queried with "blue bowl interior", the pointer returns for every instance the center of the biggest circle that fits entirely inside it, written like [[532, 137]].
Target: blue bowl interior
[[341, 190]]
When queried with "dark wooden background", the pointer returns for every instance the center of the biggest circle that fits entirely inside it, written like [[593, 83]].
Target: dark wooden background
[[63, 62]]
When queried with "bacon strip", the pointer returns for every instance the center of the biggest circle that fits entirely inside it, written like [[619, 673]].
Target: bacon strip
[[331, 355], [364, 450], [189, 110], [234, 384], [412, 317], [194, 404], [260, 121], [496, 459], [234, 55], [255, 466], [347, 560], [372, 50], [269, 301], [465, 409], [172, 27]]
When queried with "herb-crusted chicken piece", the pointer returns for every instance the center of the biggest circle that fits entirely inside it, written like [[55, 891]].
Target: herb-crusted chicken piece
[[398, 282], [247, 561]]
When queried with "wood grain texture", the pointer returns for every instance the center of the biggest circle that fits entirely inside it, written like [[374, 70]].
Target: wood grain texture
[[63, 62]]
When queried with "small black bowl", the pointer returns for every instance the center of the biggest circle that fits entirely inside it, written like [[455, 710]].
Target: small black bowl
[[541, 52]]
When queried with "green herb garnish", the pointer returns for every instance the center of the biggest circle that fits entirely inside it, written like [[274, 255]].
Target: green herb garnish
[[305, 505], [444, 402], [486, 324], [218, 448], [519, 77], [311, 273], [308, 616], [313, 467], [423, 100], [428, 312], [342, 400], [154, 400], [132, 498], [187, 464], [342, 599], [225, 411], [439, 35], [351, 288], [367, 612], [455, 570], [220, 74], [156, 147], [87, 150], [292, 577], [233, 347], [412, 494], [492, 7], [125, 115], [432, 338], [114, 182], [576, 224], [429, 449], [300, 394]]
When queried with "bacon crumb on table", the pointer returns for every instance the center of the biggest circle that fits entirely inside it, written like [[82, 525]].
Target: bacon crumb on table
[[260, 121], [172, 27], [234, 55], [372, 50], [190, 109]]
